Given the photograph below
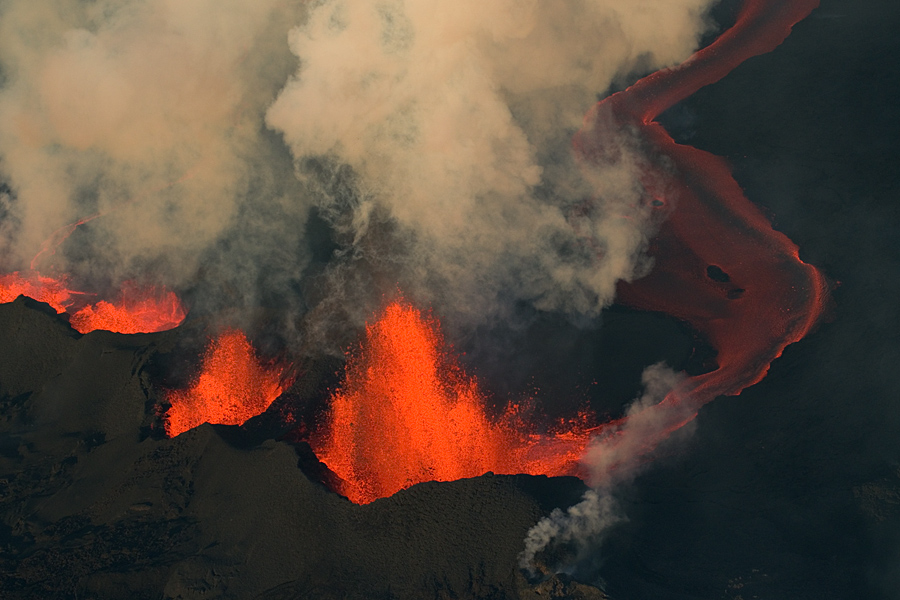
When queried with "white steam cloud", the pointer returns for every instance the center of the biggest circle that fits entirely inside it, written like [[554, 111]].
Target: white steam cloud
[[613, 458], [433, 137], [149, 112], [455, 120]]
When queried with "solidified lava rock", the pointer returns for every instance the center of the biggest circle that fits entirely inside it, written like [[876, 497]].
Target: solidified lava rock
[[93, 506]]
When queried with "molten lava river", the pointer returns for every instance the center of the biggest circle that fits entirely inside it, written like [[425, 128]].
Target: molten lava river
[[406, 412]]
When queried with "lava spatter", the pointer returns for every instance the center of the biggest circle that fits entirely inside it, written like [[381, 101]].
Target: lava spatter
[[232, 386], [136, 309], [407, 413]]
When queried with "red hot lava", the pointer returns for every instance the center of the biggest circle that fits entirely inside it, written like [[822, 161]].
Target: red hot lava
[[136, 310], [44, 289], [232, 387], [406, 413], [719, 264]]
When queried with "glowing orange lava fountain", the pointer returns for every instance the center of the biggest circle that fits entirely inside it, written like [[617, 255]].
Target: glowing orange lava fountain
[[231, 388], [406, 413]]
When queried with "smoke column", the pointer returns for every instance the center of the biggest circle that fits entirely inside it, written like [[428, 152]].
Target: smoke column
[[718, 265]]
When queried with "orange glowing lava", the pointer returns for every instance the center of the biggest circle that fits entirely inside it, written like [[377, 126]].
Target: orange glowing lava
[[232, 387], [43, 289], [137, 310], [406, 413]]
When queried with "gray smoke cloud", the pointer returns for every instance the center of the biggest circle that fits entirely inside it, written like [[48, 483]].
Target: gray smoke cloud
[[433, 138], [612, 459]]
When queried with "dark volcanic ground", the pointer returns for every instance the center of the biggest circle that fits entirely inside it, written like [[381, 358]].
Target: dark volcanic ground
[[96, 506], [790, 491]]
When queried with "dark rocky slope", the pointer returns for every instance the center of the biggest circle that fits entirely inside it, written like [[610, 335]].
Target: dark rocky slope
[[94, 505]]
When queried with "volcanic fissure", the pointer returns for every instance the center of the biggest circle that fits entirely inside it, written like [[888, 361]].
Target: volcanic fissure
[[406, 412]]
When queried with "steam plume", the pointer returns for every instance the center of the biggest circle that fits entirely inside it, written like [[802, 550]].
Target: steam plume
[[611, 459], [452, 122], [149, 113], [433, 137]]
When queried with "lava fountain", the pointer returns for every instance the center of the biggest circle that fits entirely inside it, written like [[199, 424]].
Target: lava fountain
[[406, 413], [233, 386], [137, 310]]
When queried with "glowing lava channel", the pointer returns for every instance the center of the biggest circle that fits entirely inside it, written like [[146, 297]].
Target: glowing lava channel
[[719, 264], [135, 310], [406, 413], [232, 387]]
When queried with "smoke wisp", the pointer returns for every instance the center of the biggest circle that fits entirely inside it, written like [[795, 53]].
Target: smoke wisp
[[613, 458]]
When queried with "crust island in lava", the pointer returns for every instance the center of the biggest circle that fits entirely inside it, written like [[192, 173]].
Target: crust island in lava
[[406, 413], [231, 387]]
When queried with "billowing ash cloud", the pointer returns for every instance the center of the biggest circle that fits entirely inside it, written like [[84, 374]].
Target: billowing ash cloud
[[611, 459], [433, 138]]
